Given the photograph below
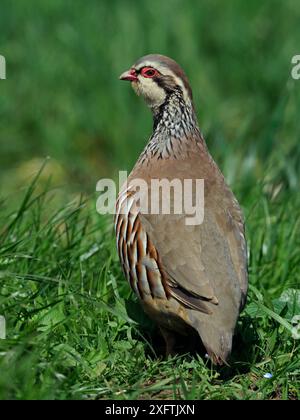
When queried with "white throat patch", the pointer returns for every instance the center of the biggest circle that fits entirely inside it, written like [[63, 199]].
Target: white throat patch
[[153, 94]]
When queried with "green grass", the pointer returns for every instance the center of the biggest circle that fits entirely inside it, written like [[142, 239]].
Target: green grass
[[74, 329]]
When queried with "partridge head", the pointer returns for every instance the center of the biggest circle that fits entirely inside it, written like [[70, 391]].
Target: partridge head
[[155, 77], [186, 276]]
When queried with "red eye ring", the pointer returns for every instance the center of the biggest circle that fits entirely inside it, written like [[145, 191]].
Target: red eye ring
[[149, 72]]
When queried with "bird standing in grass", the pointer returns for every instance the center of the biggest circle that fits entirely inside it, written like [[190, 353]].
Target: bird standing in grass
[[185, 275]]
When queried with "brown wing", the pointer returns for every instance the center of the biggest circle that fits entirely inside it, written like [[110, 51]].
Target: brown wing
[[198, 260], [179, 248], [201, 261]]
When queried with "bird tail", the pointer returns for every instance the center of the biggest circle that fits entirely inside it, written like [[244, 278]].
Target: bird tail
[[218, 343]]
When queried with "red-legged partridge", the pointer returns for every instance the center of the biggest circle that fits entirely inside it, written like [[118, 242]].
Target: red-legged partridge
[[185, 275]]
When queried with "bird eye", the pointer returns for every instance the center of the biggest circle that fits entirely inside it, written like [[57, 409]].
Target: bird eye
[[149, 72]]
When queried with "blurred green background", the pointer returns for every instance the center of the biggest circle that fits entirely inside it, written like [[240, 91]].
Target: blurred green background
[[62, 97]]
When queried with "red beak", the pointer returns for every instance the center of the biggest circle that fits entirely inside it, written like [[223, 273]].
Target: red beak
[[129, 75]]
